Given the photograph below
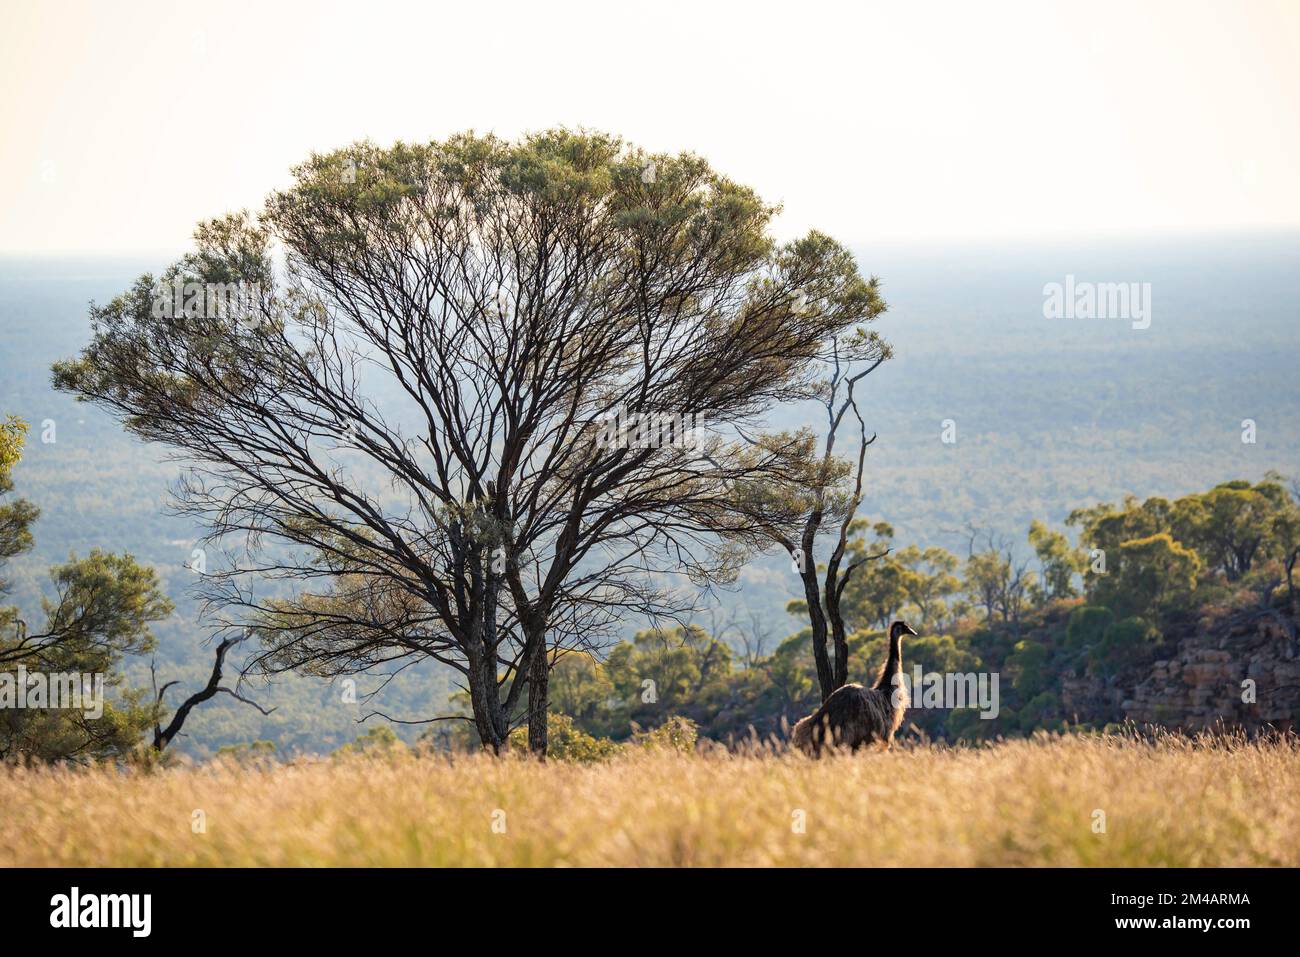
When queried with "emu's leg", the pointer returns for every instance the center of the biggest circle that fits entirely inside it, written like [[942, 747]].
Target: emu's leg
[[830, 736]]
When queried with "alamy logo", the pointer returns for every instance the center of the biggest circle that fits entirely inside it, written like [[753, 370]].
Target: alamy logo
[[952, 690], [57, 690], [103, 910], [649, 430], [1098, 300], [208, 300]]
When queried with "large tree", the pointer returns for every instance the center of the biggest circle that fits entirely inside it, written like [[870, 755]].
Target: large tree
[[405, 415]]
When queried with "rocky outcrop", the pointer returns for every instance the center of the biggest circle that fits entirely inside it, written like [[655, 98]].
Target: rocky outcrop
[[1088, 699], [1242, 672]]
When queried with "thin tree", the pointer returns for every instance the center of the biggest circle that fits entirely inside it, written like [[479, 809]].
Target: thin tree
[[819, 489]]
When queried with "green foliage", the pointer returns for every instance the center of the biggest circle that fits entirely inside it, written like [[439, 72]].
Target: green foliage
[[929, 582], [1029, 669], [13, 431], [675, 734], [249, 752], [1286, 539], [1041, 711], [49, 734], [566, 741], [943, 654], [1232, 526], [98, 487], [1107, 527], [1087, 625], [1059, 562], [674, 293], [580, 686], [1149, 575], [987, 575], [1152, 573], [1125, 642], [965, 726], [100, 612], [877, 589], [381, 738], [790, 671], [663, 672], [16, 517], [930, 652], [1214, 527]]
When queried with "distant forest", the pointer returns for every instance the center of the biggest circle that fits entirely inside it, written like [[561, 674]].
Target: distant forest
[[1144, 574]]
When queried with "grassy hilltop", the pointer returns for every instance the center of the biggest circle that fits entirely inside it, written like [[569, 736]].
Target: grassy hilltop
[[1168, 802]]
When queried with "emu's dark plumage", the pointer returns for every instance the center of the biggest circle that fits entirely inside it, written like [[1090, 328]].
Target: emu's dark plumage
[[854, 716]]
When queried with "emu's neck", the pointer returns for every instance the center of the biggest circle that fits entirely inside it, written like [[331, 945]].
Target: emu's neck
[[893, 665]]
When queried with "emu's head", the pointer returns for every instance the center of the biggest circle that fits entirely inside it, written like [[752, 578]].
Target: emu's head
[[898, 629]]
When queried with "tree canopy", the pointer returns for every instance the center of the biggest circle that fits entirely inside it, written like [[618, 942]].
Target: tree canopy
[[500, 302]]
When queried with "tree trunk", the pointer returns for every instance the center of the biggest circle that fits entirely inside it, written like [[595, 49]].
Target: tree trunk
[[539, 679], [1290, 579], [478, 608], [839, 640], [485, 701], [817, 618]]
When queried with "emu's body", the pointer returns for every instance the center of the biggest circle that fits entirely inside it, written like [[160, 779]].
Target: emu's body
[[854, 716]]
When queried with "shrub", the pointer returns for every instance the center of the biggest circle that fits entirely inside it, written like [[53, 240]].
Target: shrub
[[251, 751], [1124, 643], [1044, 710], [379, 738], [565, 741], [1028, 664], [1087, 625], [675, 734]]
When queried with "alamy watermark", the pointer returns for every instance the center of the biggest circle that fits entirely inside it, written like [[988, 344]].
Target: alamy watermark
[[952, 690], [75, 909], [1129, 301], [59, 690], [208, 300], [649, 430]]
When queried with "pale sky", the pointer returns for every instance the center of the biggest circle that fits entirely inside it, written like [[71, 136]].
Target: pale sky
[[125, 123]]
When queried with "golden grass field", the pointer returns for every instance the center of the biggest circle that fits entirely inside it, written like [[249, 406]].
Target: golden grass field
[[1171, 802]]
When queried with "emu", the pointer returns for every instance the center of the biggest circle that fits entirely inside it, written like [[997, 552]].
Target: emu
[[854, 716]]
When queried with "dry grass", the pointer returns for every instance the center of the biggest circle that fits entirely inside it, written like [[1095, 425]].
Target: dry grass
[[1171, 802]]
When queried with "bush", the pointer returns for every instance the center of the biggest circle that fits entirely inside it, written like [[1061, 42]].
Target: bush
[[1124, 643], [381, 738], [675, 734], [964, 724], [1043, 711], [1028, 664], [251, 751], [565, 741], [1087, 625]]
